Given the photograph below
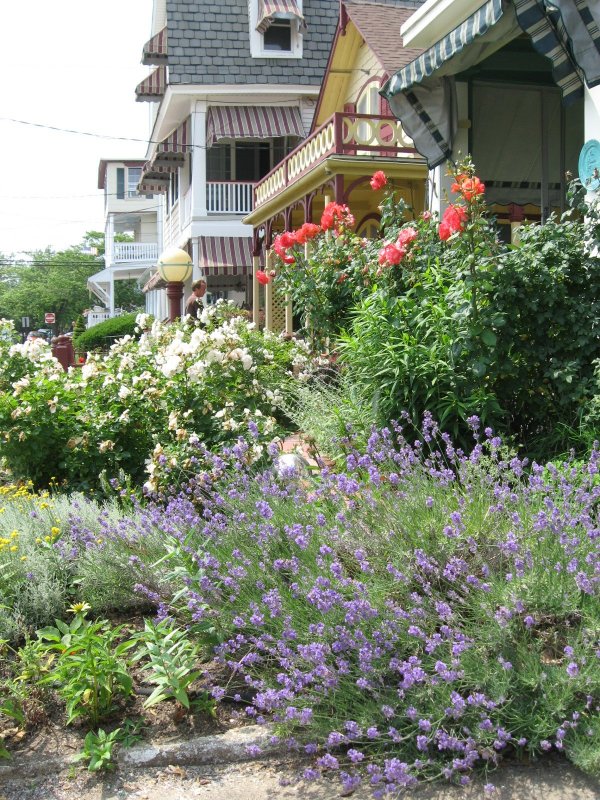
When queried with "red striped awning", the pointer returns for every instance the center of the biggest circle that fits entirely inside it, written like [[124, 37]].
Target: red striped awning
[[252, 122], [175, 146], [155, 49], [149, 185], [153, 87], [155, 282], [225, 255], [268, 10]]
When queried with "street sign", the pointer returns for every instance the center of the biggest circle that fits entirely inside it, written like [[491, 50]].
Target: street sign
[[49, 318]]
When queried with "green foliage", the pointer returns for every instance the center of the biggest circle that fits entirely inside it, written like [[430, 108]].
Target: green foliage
[[78, 327], [464, 325], [174, 390], [104, 333], [88, 670], [48, 281], [172, 661], [546, 291], [54, 549], [98, 749]]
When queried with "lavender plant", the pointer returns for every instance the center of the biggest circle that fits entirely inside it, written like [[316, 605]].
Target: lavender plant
[[419, 615]]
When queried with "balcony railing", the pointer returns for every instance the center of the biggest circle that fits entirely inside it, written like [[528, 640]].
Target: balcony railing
[[135, 251], [343, 134], [229, 197]]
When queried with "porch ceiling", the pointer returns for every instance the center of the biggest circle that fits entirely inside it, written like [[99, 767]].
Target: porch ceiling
[[348, 166]]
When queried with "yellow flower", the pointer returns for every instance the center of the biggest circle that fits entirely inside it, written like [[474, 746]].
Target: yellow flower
[[47, 538], [54, 531], [23, 558], [79, 608], [14, 548]]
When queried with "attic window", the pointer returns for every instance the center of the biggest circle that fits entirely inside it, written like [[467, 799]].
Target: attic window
[[276, 28], [278, 36]]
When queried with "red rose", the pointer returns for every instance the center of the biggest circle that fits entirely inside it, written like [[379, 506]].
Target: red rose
[[406, 236], [426, 215], [336, 215], [378, 181], [391, 254], [262, 277], [453, 220], [307, 232]]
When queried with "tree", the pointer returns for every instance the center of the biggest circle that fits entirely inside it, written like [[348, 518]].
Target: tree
[[47, 281]]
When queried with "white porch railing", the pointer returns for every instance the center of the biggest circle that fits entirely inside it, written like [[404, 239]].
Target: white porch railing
[[227, 197], [135, 251]]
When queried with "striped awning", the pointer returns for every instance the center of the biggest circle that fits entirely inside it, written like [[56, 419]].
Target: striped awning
[[431, 60], [422, 94], [155, 49], [152, 186], [155, 282], [268, 10], [153, 87], [175, 146], [252, 122], [225, 255]]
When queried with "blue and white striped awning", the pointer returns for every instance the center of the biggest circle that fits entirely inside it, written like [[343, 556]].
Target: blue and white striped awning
[[431, 60], [551, 40]]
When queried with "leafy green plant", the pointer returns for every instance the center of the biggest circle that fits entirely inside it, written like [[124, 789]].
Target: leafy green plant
[[104, 333], [88, 672], [172, 659], [98, 749]]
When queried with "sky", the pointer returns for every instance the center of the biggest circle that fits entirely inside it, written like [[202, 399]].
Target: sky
[[70, 64]]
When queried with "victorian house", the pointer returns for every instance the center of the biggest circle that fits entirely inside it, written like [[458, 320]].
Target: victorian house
[[233, 92], [132, 235], [353, 134]]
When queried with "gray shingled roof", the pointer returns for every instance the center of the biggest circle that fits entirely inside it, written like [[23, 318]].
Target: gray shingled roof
[[209, 43], [379, 25]]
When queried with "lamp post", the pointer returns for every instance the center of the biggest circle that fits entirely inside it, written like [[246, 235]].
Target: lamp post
[[175, 267]]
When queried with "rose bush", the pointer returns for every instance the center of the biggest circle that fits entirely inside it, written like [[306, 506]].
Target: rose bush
[[174, 386]]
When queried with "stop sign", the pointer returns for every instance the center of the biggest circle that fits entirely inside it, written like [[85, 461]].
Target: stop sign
[[49, 318]]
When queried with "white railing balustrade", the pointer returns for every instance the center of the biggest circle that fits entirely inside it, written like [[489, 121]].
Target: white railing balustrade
[[135, 251], [227, 197]]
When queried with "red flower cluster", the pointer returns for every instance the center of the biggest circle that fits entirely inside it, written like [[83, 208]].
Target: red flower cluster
[[288, 239], [262, 277], [336, 215], [378, 181], [393, 252], [454, 220], [468, 187]]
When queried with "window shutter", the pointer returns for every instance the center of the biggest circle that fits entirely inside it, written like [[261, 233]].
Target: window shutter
[[120, 183]]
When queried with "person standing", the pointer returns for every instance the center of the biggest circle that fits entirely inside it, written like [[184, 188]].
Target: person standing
[[193, 304]]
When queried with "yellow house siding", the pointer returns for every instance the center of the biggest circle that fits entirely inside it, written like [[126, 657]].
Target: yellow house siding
[[365, 67]]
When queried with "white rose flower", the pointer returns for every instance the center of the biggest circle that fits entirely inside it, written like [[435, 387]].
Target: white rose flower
[[171, 366]]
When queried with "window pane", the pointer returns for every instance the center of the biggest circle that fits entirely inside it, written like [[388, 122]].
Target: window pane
[[218, 163], [252, 160], [133, 178], [278, 36]]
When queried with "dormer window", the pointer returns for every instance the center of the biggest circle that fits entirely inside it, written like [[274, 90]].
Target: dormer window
[[276, 28], [278, 36]]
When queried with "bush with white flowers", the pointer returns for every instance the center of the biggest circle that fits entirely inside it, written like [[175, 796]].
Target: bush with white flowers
[[175, 387]]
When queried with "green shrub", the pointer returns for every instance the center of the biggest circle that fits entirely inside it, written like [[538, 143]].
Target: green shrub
[[104, 333], [159, 399]]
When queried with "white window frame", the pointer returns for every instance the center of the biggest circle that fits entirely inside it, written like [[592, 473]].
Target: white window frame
[[131, 193], [257, 42]]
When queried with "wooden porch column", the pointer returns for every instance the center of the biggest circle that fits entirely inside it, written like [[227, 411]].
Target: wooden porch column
[[289, 318], [268, 293], [255, 290]]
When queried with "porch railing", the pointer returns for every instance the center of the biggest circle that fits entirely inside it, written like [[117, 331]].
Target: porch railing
[[343, 134], [135, 251], [229, 197]]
